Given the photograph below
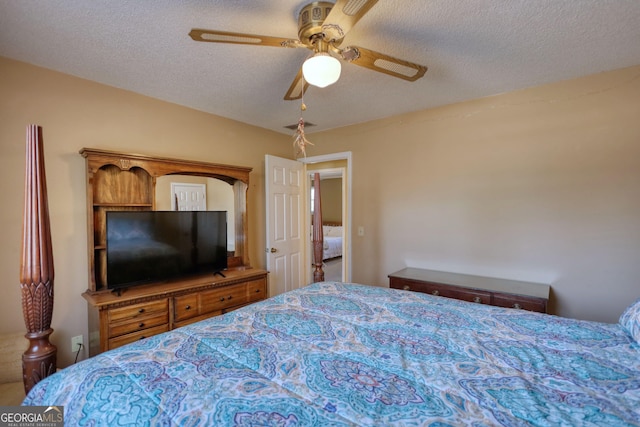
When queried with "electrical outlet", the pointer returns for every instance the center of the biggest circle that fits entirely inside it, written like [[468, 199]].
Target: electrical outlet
[[76, 343]]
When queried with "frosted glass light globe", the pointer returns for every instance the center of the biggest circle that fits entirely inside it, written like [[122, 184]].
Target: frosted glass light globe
[[321, 70]]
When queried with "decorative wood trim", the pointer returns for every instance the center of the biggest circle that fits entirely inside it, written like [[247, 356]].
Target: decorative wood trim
[[152, 291], [36, 267], [159, 166]]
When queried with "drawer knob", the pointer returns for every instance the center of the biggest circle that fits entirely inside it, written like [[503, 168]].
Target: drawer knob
[[141, 310], [141, 325], [517, 306], [188, 307], [221, 299], [257, 291], [436, 292], [477, 299], [406, 287], [229, 297]]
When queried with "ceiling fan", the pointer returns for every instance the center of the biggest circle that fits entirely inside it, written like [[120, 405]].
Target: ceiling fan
[[322, 27]]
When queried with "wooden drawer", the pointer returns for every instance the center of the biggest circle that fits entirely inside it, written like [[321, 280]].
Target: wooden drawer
[[134, 311], [121, 328], [256, 290], [465, 294], [191, 320], [416, 286], [521, 302], [138, 317], [216, 300], [185, 307], [222, 298], [439, 289], [136, 336]]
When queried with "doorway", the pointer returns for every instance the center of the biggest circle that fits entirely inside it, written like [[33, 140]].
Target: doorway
[[334, 169]]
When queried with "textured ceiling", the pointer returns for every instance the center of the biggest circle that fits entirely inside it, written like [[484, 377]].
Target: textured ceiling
[[473, 48]]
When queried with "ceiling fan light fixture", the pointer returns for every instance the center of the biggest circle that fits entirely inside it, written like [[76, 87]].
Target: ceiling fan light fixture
[[321, 70]]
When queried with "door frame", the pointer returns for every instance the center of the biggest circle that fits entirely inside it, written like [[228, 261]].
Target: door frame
[[346, 206]]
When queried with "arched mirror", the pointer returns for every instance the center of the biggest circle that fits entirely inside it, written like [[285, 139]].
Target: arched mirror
[[186, 192]]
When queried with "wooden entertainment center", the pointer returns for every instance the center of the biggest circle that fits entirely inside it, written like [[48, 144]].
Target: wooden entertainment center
[[126, 182]]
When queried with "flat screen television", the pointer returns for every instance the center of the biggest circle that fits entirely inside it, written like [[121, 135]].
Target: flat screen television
[[156, 246]]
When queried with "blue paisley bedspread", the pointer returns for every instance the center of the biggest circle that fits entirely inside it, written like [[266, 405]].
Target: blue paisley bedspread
[[334, 354]]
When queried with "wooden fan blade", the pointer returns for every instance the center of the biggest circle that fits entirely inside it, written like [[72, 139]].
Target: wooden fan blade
[[383, 63], [343, 16], [297, 88], [241, 38]]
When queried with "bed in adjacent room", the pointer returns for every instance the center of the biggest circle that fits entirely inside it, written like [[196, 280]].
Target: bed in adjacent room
[[331, 241], [334, 354]]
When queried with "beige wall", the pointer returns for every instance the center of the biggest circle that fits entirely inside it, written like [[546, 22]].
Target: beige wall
[[332, 209], [541, 184], [76, 113], [331, 193]]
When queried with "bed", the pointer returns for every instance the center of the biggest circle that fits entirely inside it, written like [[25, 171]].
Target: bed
[[331, 241], [336, 354]]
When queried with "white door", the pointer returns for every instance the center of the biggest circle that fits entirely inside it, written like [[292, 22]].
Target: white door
[[284, 180], [188, 197]]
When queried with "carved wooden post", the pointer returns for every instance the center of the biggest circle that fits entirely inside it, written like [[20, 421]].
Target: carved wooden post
[[318, 238], [36, 267]]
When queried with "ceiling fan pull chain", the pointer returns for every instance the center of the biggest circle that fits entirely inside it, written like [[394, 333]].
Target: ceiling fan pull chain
[[300, 140], [303, 106]]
